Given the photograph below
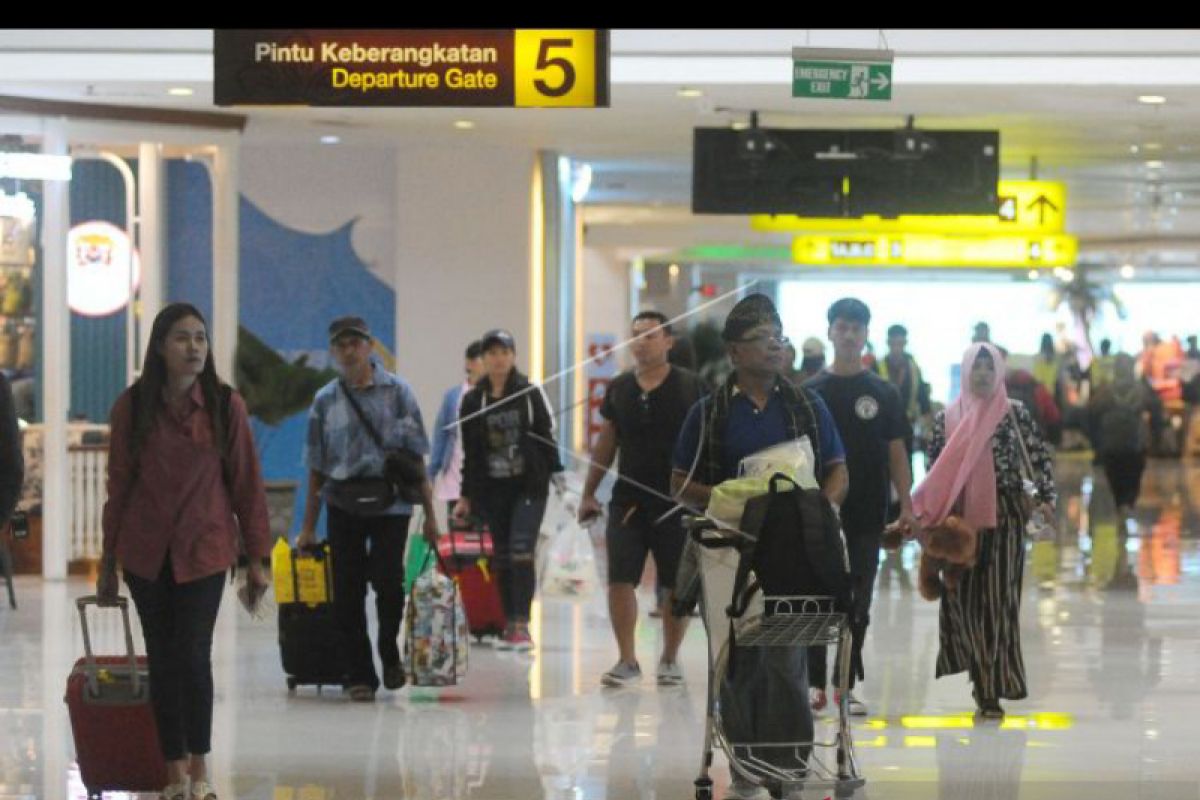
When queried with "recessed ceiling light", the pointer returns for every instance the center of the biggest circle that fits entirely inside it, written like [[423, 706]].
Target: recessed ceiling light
[[181, 91], [1128, 271], [1154, 165], [686, 92], [1152, 146], [1152, 99], [330, 139], [1133, 148], [740, 126], [464, 124], [1034, 274]]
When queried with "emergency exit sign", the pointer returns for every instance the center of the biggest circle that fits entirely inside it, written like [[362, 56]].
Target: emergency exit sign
[[842, 74]]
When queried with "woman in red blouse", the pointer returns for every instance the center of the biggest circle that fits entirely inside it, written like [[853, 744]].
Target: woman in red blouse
[[183, 481]]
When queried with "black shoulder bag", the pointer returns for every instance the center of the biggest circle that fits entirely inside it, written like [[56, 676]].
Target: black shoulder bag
[[403, 473]]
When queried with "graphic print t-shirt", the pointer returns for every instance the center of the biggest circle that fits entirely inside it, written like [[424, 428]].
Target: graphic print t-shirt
[[504, 456]]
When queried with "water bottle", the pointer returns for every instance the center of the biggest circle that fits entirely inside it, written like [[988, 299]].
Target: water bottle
[[1037, 525]]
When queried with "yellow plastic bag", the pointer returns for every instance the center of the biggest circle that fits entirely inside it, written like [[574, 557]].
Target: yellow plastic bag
[[300, 577]]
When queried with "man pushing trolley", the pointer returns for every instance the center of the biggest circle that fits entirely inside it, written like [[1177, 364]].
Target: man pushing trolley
[[768, 562]]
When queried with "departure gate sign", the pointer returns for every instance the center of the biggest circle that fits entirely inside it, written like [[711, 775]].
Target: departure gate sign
[[412, 68]]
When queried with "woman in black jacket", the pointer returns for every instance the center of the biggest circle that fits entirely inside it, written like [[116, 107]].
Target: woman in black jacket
[[509, 455]]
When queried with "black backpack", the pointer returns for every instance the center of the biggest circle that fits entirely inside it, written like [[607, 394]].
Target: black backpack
[[1121, 428], [799, 548]]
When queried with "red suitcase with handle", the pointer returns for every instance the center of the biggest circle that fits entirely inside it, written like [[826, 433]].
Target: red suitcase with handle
[[108, 699], [466, 556]]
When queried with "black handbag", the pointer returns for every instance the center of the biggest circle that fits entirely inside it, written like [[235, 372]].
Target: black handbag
[[403, 472]]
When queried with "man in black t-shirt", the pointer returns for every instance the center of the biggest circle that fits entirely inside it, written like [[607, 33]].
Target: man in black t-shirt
[[870, 417], [643, 411]]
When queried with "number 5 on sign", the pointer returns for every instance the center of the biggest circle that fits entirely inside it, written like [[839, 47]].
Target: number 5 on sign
[[556, 68]]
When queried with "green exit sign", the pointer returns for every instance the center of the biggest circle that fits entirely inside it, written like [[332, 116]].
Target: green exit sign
[[842, 74]]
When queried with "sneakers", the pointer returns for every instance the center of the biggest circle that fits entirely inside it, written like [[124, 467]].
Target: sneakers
[[622, 675], [743, 789], [362, 693], [520, 640], [175, 791], [669, 674], [515, 638], [856, 707], [202, 790], [817, 699], [393, 677]]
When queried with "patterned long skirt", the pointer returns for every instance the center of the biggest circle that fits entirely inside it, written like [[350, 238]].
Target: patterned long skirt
[[979, 624]]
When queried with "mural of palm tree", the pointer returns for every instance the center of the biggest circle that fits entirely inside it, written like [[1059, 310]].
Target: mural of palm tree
[[274, 390]]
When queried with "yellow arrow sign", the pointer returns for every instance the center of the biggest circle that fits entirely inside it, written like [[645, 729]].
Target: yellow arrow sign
[[1024, 207], [930, 250]]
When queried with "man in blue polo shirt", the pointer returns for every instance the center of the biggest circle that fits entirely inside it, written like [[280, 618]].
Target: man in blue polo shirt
[[767, 699]]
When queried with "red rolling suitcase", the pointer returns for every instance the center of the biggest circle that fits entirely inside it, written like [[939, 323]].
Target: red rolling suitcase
[[466, 556], [108, 699]]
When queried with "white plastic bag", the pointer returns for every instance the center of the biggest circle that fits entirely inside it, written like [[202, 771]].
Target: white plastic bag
[[567, 562]]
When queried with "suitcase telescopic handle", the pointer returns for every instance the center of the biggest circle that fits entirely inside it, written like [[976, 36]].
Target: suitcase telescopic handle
[[89, 656]]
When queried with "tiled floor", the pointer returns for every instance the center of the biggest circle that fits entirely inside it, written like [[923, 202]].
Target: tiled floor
[[1111, 638]]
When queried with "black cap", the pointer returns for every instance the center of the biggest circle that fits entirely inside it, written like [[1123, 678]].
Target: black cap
[[751, 311], [352, 325], [497, 336]]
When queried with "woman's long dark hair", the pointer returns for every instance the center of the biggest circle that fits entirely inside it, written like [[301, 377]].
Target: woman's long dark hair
[[149, 387]]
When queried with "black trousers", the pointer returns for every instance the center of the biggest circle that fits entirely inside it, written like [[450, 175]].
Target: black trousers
[[862, 587], [515, 518], [367, 549], [177, 623], [1124, 472]]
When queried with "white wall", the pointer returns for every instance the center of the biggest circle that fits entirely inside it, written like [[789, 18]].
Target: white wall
[[318, 188], [463, 247], [606, 296]]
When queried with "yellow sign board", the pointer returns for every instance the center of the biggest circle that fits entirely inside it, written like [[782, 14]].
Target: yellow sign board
[[931, 250], [555, 68], [1024, 207]]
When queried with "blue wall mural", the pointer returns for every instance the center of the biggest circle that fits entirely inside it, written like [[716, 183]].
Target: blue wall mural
[[291, 285], [97, 343]]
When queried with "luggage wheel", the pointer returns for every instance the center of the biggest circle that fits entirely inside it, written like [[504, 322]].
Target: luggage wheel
[[704, 789], [291, 684]]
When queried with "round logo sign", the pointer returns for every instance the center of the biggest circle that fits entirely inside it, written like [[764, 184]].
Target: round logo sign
[[99, 262], [866, 407]]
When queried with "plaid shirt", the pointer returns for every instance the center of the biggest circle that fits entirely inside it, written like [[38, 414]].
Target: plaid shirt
[[338, 444]]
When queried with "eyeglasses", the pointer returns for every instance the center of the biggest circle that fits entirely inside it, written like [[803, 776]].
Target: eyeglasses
[[767, 338]]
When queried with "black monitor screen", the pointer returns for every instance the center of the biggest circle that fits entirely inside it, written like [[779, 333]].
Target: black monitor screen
[[832, 173]]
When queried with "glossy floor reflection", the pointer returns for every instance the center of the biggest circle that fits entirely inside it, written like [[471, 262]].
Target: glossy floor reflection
[[1112, 643]]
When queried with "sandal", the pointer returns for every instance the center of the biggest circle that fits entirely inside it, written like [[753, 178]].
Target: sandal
[[201, 790], [174, 791]]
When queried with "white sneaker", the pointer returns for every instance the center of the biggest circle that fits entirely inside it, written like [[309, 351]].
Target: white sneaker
[[621, 675], [743, 789], [856, 707], [669, 674]]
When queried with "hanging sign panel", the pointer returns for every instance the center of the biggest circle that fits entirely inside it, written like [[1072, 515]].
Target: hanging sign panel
[[929, 250], [1022, 207], [412, 68]]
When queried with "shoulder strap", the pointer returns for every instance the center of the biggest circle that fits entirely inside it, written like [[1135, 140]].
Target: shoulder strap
[[1026, 462], [371, 431]]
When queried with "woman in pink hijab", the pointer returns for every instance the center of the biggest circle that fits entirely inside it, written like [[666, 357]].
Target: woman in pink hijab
[[976, 474]]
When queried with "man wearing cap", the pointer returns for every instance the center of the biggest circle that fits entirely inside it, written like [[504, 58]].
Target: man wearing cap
[[509, 456], [766, 700], [900, 369], [353, 420], [813, 355]]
